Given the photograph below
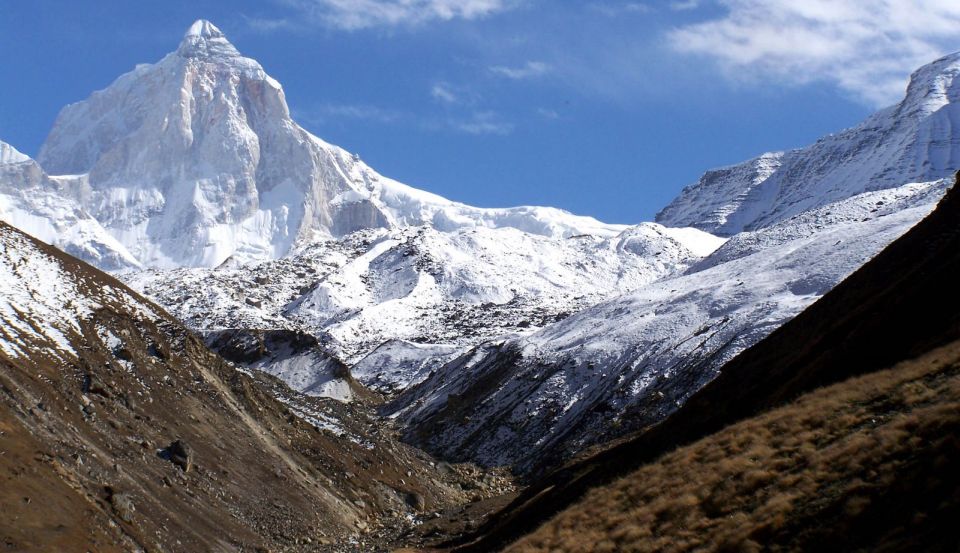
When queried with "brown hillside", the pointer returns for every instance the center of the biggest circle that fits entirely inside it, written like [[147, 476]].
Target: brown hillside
[[872, 464], [150, 442]]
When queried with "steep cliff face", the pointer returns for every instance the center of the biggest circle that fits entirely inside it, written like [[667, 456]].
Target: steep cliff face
[[914, 141]]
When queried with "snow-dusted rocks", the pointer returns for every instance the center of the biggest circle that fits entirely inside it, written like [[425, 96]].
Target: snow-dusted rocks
[[46, 296], [460, 287], [914, 141], [399, 364], [436, 292]]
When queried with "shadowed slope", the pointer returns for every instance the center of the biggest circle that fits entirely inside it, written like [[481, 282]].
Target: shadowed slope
[[902, 303], [870, 464]]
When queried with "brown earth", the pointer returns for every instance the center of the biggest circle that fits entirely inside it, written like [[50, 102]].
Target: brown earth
[[871, 464], [87, 461]]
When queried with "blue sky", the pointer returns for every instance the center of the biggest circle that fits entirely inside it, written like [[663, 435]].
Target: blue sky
[[606, 107]]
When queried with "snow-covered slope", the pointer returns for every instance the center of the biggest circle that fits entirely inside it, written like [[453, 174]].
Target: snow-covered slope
[[44, 299], [50, 209], [399, 364], [458, 287], [629, 361], [914, 141], [10, 155], [443, 291], [195, 159]]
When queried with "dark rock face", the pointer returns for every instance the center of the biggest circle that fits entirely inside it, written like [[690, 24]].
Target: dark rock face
[[94, 385], [250, 345]]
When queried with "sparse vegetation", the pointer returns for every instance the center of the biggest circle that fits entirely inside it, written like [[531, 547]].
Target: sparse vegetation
[[868, 464]]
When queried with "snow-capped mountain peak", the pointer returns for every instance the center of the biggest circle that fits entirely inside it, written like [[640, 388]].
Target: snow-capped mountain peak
[[203, 29], [204, 39], [195, 159], [933, 86]]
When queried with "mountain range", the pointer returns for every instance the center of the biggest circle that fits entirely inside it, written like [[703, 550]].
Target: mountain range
[[265, 282]]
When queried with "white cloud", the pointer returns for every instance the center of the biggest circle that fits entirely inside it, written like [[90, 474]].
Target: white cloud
[[529, 70], [682, 5], [444, 93], [867, 48], [486, 122], [614, 9], [364, 14]]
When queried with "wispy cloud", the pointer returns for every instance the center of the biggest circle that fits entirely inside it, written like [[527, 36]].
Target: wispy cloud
[[267, 24], [444, 93], [684, 5], [529, 70], [614, 9], [325, 113], [866, 48], [467, 122], [352, 15], [485, 122]]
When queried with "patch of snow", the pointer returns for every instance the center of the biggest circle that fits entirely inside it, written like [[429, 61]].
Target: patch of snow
[[399, 364], [40, 304]]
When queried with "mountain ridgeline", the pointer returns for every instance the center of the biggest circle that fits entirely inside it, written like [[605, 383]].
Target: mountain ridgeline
[[195, 159], [912, 141]]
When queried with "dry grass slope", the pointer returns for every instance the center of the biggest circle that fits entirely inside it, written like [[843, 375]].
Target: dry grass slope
[[870, 464]]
